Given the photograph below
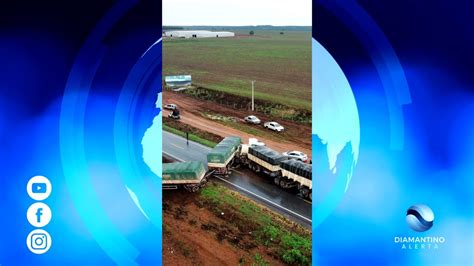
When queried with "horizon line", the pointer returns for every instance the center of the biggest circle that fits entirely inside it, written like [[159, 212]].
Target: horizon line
[[236, 25]]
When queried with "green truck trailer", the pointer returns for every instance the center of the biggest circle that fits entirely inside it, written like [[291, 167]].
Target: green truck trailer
[[220, 157], [190, 175]]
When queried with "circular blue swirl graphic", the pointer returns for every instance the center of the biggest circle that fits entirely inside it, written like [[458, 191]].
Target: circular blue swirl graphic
[[336, 132], [420, 217], [336, 127], [128, 236]]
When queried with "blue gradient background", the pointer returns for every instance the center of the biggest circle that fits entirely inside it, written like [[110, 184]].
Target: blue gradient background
[[79, 83], [427, 157], [421, 153]]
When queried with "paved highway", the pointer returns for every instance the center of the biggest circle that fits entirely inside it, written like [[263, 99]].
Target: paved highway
[[258, 187]]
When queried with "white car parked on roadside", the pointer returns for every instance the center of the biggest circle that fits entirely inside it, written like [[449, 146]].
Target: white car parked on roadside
[[296, 155], [274, 126], [252, 120]]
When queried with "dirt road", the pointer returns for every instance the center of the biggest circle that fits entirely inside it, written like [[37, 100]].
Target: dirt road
[[296, 136]]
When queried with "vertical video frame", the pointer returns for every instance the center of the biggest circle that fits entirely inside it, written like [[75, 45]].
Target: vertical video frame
[[237, 184]]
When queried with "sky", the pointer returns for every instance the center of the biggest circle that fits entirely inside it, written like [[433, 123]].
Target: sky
[[236, 12]]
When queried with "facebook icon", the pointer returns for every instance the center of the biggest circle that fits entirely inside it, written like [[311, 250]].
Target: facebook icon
[[39, 212], [38, 187]]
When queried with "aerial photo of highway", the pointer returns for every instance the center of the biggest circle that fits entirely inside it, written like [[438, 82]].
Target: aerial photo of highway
[[237, 145]]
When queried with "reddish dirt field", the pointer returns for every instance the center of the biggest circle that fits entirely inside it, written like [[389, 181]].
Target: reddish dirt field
[[194, 235], [295, 137]]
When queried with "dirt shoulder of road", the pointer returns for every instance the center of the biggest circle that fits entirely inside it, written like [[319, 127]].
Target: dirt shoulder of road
[[200, 114], [220, 227]]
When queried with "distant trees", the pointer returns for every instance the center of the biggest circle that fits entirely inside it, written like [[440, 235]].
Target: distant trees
[[172, 28], [281, 33], [251, 32]]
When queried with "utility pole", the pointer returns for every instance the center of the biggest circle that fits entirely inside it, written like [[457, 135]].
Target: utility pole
[[253, 92]]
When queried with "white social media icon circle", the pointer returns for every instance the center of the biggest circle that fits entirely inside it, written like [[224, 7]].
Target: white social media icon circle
[[39, 214], [39, 241], [39, 188]]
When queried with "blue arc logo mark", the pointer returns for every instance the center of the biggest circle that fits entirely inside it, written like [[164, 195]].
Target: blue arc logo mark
[[420, 217]]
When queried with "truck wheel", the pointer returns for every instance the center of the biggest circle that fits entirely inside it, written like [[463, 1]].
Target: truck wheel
[[311, 196], [254, 168], [257, 169], [304, 192], [191, 188], [283, 183], [276, 180]]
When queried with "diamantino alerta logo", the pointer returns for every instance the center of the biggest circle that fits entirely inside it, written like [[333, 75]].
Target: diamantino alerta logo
[[420, 217]]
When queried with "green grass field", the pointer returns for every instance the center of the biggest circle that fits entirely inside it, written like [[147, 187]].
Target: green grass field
[[280, 64]]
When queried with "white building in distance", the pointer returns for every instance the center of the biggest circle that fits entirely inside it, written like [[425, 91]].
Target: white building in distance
[[197, 34]]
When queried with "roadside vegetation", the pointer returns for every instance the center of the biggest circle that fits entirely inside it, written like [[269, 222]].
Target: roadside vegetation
[[286, 240], [243, 102], [192, 137]]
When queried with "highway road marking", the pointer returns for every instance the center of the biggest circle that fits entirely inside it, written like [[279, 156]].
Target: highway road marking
[[172, 156], [250, 192], [177, 146], [307, 201], [266, 200], [238, 172]]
